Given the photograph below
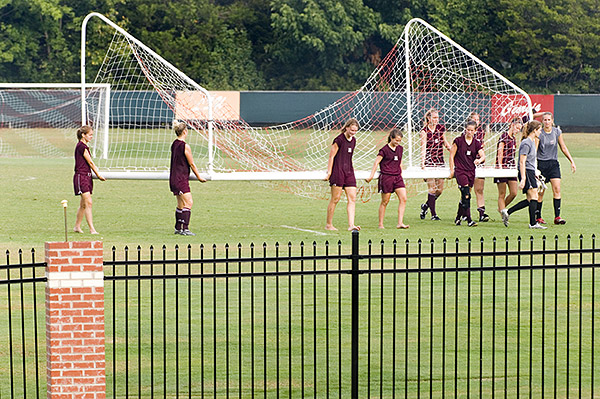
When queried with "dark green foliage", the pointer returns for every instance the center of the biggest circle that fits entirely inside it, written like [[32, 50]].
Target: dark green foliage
[[542, 45]]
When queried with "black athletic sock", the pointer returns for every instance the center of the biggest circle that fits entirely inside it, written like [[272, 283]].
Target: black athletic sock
[[533, 204], [431, 203], [186, 213], [481, 211], [556, 207], [178, 219], [538, 211], [459, 212], [518, 206]]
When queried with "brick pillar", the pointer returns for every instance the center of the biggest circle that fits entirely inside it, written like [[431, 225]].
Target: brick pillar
[[75, 353]]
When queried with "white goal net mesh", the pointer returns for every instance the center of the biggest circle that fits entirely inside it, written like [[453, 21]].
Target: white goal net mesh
[[424, 70], [40, 120]]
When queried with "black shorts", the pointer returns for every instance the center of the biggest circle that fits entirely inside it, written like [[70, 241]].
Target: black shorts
[[530, 181], [504, 179], [550, 169]]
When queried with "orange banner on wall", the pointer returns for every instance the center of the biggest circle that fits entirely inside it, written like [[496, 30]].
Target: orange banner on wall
[[193, 105]]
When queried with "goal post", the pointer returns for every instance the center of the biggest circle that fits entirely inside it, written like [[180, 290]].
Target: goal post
[[425, 69]]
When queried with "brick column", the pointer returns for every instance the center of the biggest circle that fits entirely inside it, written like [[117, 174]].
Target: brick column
[[75, 353]]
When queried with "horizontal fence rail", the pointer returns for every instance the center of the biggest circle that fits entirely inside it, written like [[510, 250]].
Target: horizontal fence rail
[[495, 318], [488, 319]]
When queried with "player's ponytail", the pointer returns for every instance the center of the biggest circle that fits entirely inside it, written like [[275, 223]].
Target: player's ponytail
[[530, 127], [179, 128], [83, 130], [395, 132]]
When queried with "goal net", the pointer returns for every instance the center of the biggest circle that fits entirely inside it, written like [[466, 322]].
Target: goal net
[[41, 119], [424, 70]]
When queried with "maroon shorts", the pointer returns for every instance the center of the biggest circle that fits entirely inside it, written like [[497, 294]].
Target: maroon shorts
[[389, 183], [504, 179], [341, 179], [464, 179], [82, 183], [180, 187]]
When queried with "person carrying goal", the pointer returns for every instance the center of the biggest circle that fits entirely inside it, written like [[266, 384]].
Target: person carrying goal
[[479, 183], [181, 163], [389, 159], [505, 159], [340, 173], [547, 155], [82, 180], [433, 142], [466, 153], [527, 179]]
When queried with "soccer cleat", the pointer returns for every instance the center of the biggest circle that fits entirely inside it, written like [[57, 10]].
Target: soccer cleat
[[435, 217], [505, 216], [457, 222], [540, 221], [537, 226], [186, 232], [472, 223], [177, 232], [484, 218], [559, 220], [424, 209]]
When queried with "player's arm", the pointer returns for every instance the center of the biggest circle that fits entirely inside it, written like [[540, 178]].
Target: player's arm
[[453, 150], [88, 159], [522, 160], [190, 159], [481, 158], [378, 159], [565, 150], [446, 142], [334, 150], [500, 156], [423, 147]]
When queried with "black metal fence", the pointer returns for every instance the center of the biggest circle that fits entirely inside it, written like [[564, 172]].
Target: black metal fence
[[497, 318]]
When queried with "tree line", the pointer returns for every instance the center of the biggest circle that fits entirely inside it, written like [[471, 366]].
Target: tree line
[[544, 46]]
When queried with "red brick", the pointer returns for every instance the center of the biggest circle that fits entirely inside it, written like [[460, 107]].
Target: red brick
[[57, 245]]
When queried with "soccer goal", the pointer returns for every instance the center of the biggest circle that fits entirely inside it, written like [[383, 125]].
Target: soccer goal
[[425, 69], [40, 119]]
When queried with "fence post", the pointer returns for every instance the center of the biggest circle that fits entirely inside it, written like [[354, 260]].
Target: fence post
[[355, 319], [75, 351]]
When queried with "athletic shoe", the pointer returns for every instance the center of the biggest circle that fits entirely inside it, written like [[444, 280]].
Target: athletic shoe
[[424, 209], [186, 232], [559, 220], [484, 218], [537, 226], [435, 217], [177, 232], [540, 221], [505, 216], [472, 223], [457, 222]]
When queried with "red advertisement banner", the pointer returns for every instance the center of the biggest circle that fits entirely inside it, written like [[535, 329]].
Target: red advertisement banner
[[505, 107]]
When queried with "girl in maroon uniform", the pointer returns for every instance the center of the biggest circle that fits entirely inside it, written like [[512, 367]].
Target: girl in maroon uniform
[[82, 180], [466, 153], [433, 142], [505, 160], [181, 162], [389, 159], [340, 173], [479, 181]]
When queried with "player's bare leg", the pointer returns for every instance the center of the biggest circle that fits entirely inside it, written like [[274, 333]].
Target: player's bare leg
[[336, 194], [385, 199], [84, 210], [351, 207], [402, 197]]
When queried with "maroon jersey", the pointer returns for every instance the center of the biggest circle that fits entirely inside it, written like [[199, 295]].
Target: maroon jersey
[[464, 159], [81, 165], [180, 168], [342, 162], [508, 156], [391, 160], [480, 134], [434, 146]]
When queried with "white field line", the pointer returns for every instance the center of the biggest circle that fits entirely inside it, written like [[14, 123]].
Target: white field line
[[305, 230]]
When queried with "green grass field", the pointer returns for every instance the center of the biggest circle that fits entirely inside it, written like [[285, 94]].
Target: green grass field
[[132, 213], [142, 212]]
